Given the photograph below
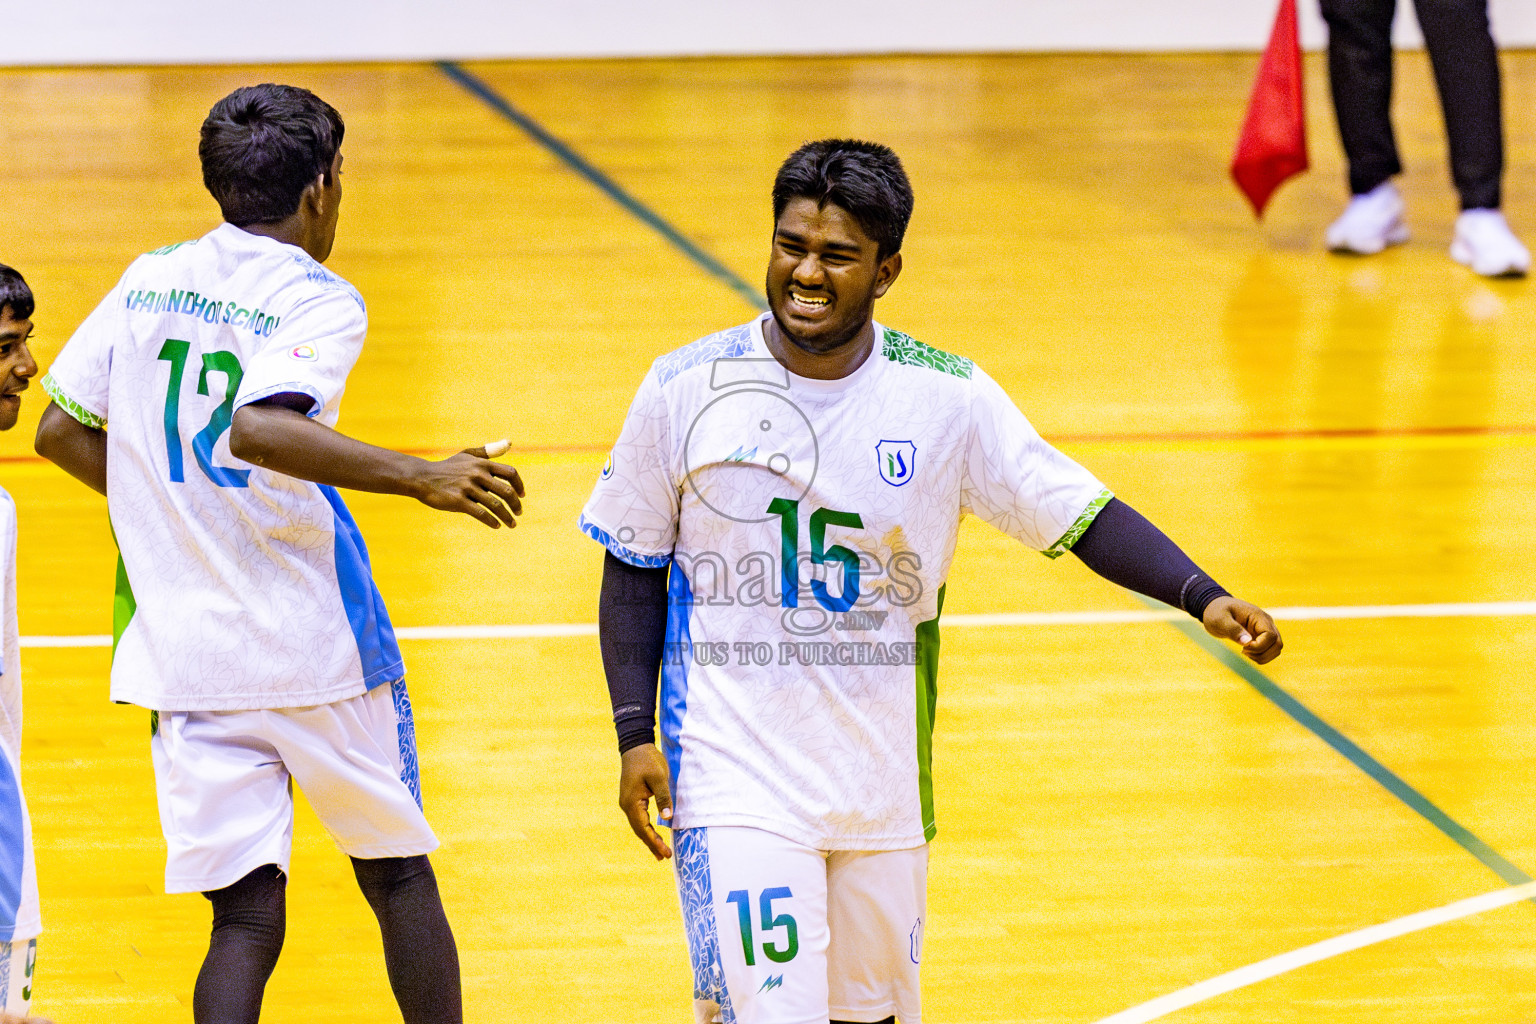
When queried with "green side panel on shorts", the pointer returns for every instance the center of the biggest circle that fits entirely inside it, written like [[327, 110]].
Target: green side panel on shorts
[[927, 707]]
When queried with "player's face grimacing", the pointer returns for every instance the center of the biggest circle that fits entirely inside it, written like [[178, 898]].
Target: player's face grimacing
[[17, 367], [824, 275]]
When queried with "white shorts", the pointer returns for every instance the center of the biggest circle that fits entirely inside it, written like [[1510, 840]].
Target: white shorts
[[225, 780], [17, 961], [781, 933]]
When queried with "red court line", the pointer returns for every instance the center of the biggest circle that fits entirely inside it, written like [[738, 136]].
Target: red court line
[[1521, 430], [1342, 433]]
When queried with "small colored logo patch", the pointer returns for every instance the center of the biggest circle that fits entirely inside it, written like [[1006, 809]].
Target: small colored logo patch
[[897, 461], [607, 469], [773, 982], [304, 353]]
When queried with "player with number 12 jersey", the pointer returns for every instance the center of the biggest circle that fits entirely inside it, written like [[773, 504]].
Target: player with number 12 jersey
[[226, 559], [202, 398]]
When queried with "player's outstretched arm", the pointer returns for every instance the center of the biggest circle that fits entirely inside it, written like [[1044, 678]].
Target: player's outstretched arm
[[1124, 548], [276, 435], [79, 450], [632, 633], [1227, 618]]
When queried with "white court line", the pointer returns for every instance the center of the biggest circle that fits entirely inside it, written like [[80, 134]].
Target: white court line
[[82, 640], [529, 630], [1243, 976], [536, 630]]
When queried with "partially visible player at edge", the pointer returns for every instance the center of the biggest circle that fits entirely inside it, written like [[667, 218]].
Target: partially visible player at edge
[[798, 686], [20, 922], [201, 397]]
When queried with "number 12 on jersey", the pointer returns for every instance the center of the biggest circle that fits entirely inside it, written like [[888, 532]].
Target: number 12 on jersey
[[770, 922], [176, 352]]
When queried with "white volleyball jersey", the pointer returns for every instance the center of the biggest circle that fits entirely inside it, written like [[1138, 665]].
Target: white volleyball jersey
[[809, 526], [239, 587], [19, 917]]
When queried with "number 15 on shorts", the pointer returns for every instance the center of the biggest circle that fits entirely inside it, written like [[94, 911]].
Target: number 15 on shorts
[[770, 925]]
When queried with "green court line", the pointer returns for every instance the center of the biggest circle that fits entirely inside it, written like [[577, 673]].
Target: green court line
[[1388, 779], [479, 88]]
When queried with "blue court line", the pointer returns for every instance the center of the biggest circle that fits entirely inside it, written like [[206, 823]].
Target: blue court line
[[576, 162], [1389, 780]]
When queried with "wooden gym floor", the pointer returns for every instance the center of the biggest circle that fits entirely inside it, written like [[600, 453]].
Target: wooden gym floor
[[1121, 814]]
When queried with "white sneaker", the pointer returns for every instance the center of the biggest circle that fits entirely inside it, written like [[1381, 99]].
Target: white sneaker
[[1485, 243], [1370, 222]]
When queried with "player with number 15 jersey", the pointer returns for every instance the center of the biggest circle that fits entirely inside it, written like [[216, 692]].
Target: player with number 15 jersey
[[780, 513], [810, 525]]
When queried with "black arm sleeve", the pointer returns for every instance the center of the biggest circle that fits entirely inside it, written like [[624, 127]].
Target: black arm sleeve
[[1124, 548], [632, 632]]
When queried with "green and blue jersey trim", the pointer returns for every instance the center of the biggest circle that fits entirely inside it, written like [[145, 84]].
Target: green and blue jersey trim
[[1079, 525], [731, 343], [309, 391], [378, 653], [927, 708], [166, 250], [75, 409], [124, 605], [13, 848], [674, 671], [907, 350], [619, 551]]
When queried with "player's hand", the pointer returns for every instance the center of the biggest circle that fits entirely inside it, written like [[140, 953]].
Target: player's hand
[[1227, 618], [643, 775], [471, 483]]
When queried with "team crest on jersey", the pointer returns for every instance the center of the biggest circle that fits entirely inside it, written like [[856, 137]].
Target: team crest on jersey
[[607, 469], [304, 353], [897, 461]]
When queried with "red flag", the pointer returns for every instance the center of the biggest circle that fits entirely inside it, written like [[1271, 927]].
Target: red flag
[[1273, 145]]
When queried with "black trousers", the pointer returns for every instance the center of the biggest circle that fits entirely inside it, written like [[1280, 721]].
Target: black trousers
[[1466, 67]]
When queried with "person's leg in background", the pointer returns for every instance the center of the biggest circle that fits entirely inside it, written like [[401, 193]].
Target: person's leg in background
[[1466, 65], [1360, 77]]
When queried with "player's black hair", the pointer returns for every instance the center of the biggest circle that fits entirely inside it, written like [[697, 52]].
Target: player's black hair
[[14, 294], [262, 145], [864, 178]]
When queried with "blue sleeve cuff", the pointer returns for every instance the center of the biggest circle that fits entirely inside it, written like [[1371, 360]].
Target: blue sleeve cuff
[[621, 552], [292, 388]]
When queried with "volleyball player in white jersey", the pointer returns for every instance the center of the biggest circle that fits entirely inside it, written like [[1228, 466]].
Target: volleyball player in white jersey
[[20, 922], [201, 397], [780, 513]]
